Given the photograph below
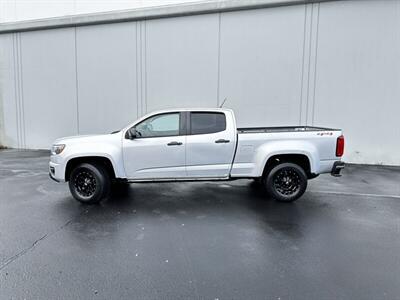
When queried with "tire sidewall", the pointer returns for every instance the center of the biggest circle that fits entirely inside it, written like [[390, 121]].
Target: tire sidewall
[[102, 183], [270, 187]]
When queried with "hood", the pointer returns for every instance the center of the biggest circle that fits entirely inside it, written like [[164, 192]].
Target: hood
[[87, 138]]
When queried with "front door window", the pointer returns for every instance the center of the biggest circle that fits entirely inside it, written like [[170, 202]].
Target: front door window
[[159, 126]]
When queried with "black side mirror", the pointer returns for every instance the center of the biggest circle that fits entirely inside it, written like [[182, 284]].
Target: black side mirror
[[131, 133]]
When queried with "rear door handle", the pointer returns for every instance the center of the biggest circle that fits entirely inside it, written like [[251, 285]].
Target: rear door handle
[[222, 141], [174, 143]]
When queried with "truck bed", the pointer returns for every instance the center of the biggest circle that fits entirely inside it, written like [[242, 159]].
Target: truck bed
[[283, 129]]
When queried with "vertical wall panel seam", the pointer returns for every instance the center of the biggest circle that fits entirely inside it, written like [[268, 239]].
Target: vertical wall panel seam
[[140, 68], [303, 63], [219, 59], [18, 69], [145, 65], [309, 62], [137, 69], [315, 63], [15, 88], [142, 42], [21, 82], [76, 80]]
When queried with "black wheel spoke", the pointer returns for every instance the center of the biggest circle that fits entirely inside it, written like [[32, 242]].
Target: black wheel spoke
[[85, 183], [287, 182]]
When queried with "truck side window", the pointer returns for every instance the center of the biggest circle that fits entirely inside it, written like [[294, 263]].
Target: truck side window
[[159, 125], [207, 122]]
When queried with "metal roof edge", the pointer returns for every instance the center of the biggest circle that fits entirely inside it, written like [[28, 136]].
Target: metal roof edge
[[139, 14]]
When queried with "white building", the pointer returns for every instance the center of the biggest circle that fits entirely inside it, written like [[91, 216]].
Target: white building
[[278, 62]]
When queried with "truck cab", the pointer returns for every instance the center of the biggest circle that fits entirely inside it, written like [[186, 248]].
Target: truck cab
[[180, 145]]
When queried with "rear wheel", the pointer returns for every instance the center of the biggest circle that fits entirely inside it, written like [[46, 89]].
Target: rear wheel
[[89, 183], [286, 182]]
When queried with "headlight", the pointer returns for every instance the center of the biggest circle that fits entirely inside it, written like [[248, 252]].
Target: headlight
[[57, 149]]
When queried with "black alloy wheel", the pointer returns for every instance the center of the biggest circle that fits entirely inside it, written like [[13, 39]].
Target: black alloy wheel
[[286, 182], [89, 183], [85, 183]]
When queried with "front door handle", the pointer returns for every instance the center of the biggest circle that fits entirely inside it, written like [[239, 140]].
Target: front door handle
[[222, 141], [174, 143]]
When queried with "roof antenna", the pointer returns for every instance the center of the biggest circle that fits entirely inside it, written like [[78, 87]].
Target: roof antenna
[[223, 102]]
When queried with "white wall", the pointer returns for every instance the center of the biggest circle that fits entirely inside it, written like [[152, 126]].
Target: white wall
[[182, 62], [261, 65], [358, 77], [107, 82], [48, 86], [9, 96], [330, 64]]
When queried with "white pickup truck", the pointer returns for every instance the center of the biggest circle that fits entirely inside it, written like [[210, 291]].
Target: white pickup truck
[[196, 144]]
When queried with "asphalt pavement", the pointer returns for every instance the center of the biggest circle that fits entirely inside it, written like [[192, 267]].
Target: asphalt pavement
[[208, 240]]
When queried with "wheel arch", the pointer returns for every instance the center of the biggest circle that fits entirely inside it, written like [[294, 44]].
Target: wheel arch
[[97, 160], [299, 159], [287, 151]]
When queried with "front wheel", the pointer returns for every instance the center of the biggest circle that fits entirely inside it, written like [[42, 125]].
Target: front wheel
[[286, 182], [89, 183]]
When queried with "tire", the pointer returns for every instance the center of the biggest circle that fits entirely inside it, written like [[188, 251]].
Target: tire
[[286, 182], [89, 183]]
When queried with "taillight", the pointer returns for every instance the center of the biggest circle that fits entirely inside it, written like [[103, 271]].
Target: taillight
[[340, 146]]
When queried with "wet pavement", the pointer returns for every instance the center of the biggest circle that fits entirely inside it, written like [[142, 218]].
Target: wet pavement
[[212, 240]]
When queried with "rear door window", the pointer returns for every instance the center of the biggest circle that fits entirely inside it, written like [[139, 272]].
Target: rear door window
[[207, 122]]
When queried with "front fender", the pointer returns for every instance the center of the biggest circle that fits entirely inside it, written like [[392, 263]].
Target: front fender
[[111, 152]]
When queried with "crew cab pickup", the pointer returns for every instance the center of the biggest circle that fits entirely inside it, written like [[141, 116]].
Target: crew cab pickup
[[196, 144]]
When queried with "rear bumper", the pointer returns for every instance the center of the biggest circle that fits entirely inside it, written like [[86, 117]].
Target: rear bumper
[[338, 166]]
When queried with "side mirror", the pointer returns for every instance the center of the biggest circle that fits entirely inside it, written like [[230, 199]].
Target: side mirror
[[131, 133]]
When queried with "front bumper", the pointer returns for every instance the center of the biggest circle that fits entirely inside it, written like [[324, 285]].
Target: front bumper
[[338, 166], [56, 171], [55, 179]]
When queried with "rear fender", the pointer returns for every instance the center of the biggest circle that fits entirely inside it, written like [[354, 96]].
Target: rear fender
[[267, 150]]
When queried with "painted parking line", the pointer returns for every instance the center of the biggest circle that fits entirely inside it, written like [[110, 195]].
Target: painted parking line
[[355, 194]]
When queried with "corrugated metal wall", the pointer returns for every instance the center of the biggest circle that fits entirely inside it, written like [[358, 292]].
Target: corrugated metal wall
[[330, 64]]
